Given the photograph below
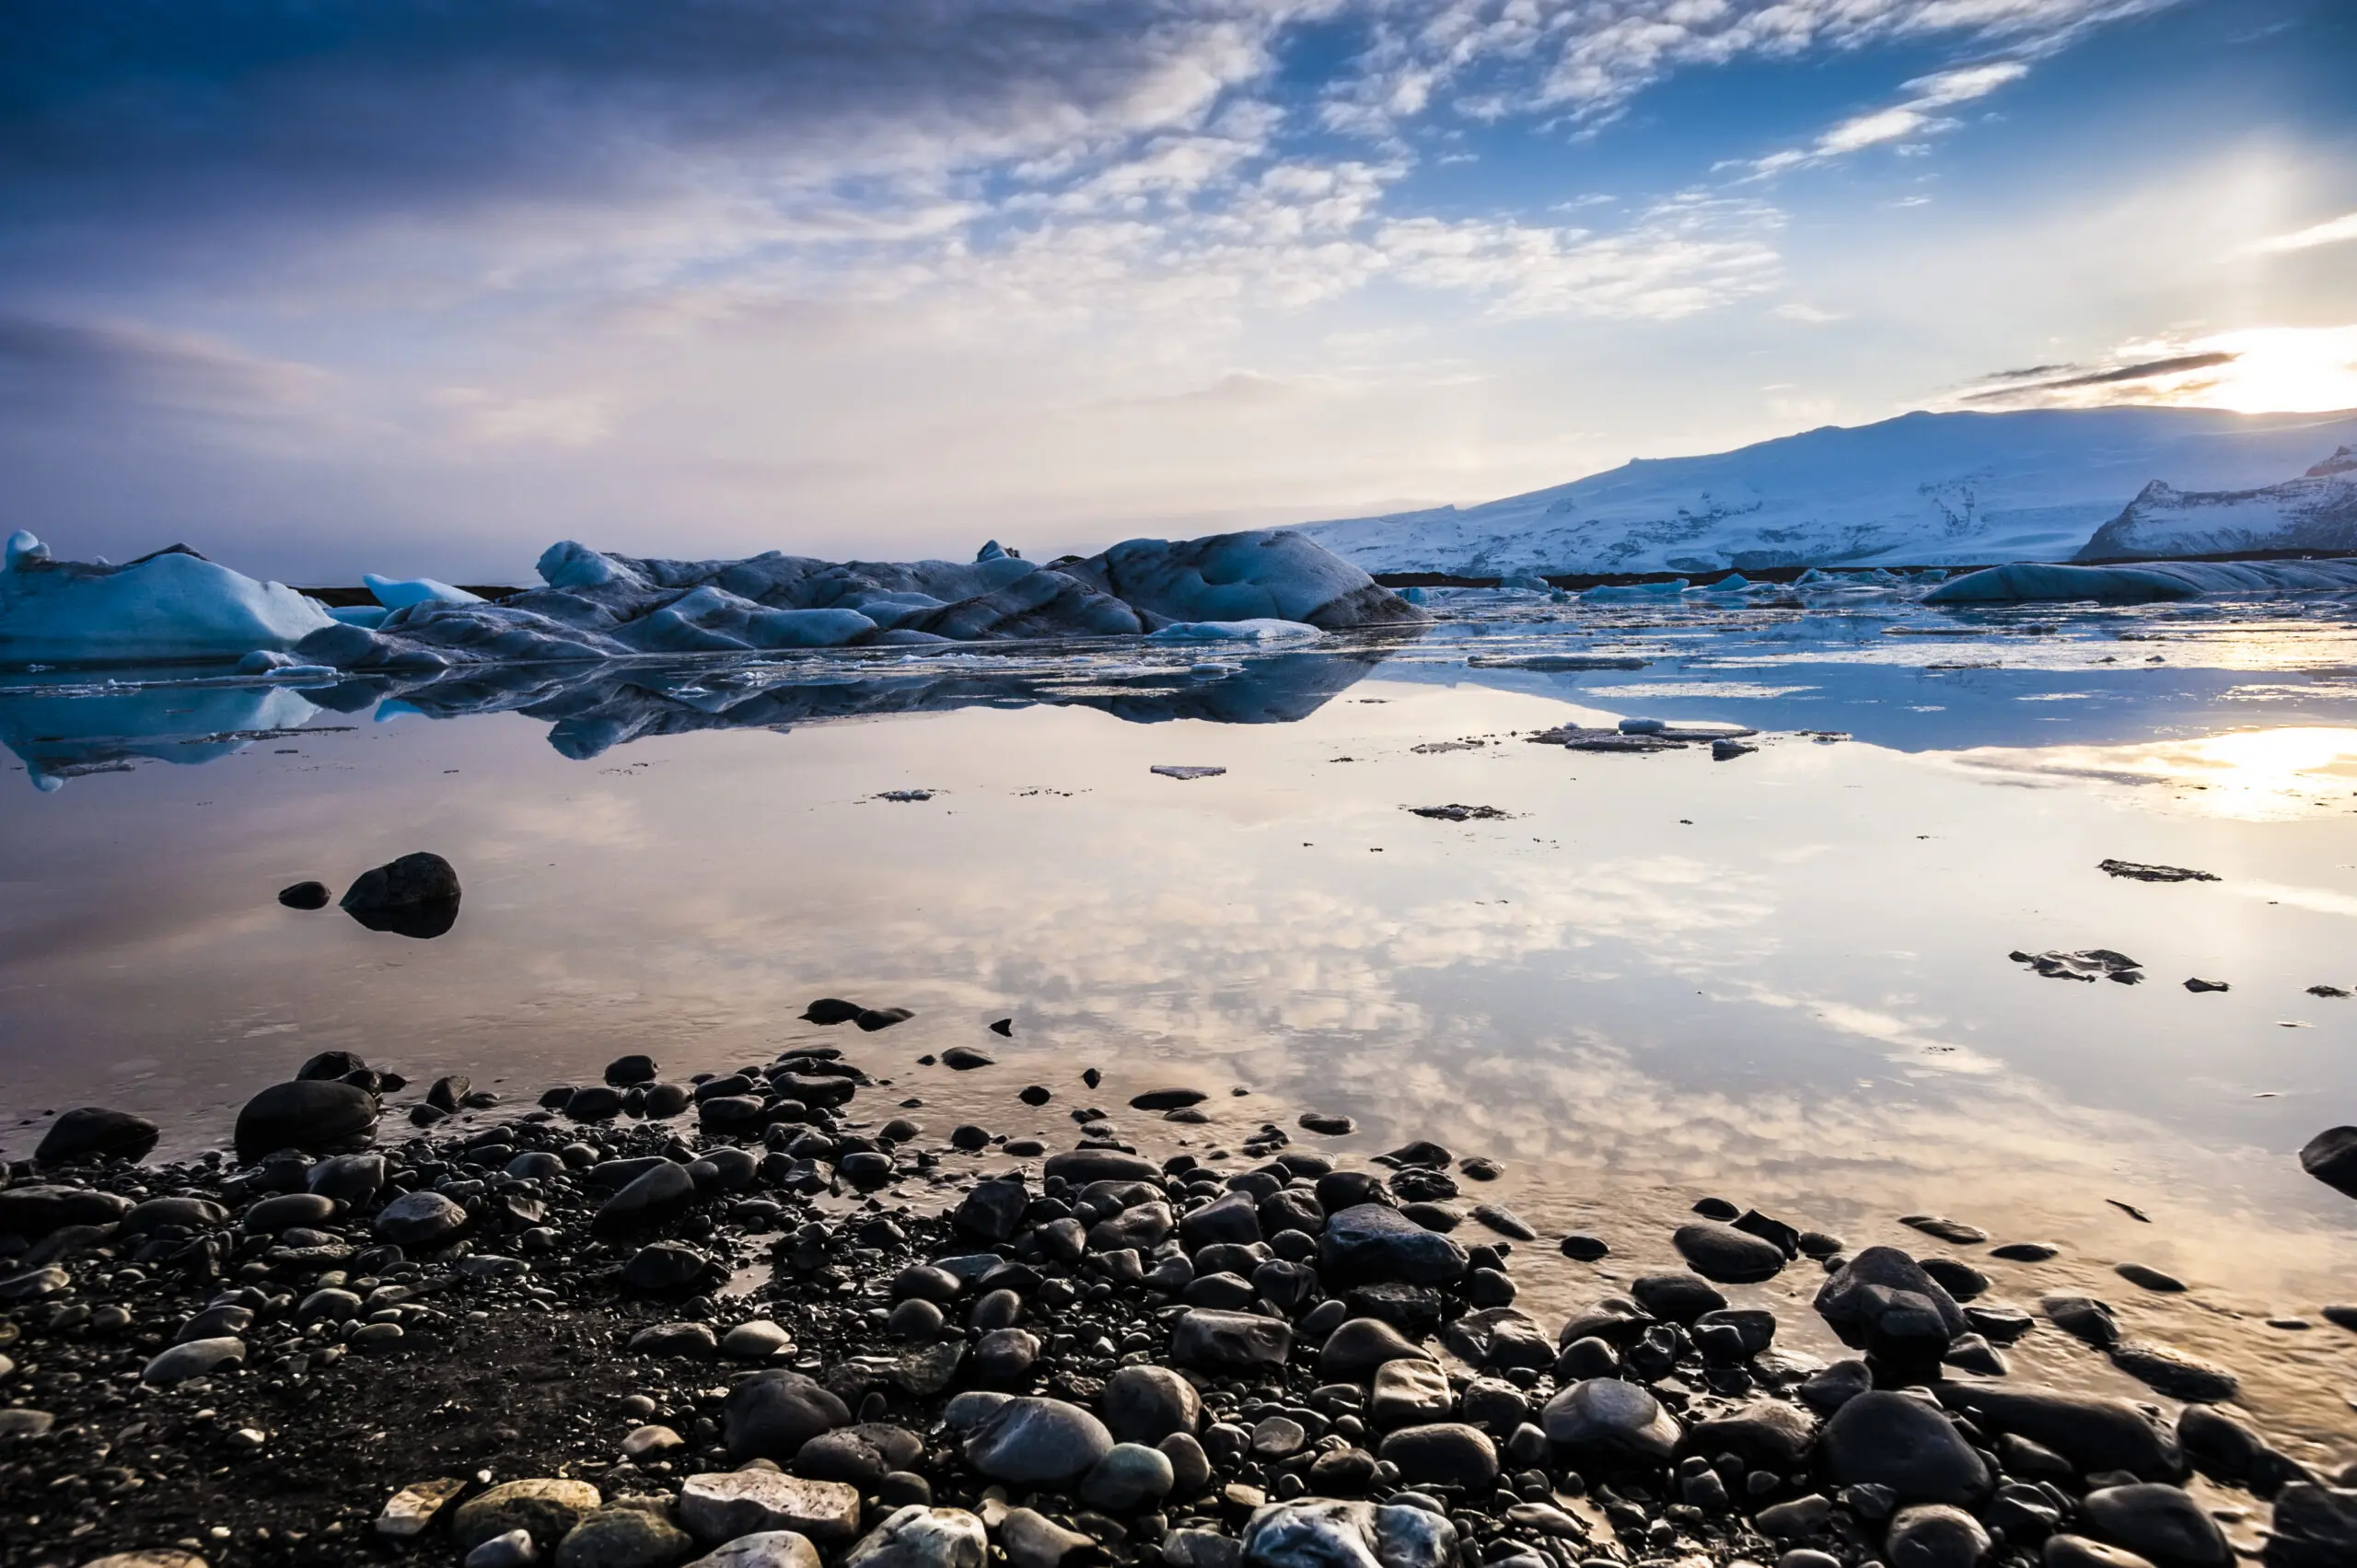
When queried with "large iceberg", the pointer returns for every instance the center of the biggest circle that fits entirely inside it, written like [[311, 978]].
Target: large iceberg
[[598, 605], [2146, 582], [173, 605], [594, 606]]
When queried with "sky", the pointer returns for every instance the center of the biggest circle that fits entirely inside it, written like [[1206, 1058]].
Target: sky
[[320, 286]]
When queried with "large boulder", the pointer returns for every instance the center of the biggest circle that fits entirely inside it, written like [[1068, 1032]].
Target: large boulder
[[2331, 1157], [1606, 1418], [918, 1536], [2315, 1527], [94, 1132], [317, 1116], [414, 896], [35, 1211], [1883, 1301], [771, 1414], [1037, 1442], [2161, 1524], [1885, 1438], [2094, 1432], [546, 1508], [1374, 1241]]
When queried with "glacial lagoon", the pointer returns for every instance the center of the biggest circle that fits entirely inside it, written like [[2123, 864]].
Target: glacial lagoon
[[1783, 979]]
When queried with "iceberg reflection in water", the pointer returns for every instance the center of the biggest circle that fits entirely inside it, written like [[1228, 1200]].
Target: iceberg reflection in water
[[64, 731]]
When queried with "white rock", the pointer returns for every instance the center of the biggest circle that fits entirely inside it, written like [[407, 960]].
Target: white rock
[[723, 1504]]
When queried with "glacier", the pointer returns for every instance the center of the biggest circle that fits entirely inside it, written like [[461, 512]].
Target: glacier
[[594, 605], [1920, 490], [173, 605]]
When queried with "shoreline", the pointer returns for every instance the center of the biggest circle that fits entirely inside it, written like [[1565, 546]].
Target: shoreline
[[562, 1301]]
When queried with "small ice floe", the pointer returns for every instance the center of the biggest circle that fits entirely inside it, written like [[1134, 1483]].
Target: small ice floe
[[1183, 770], [1610, 593], [2089, 964], [1556, 663], [2198, 986], [399, 593], [906, 796], [2144, 873], [1454, 813]]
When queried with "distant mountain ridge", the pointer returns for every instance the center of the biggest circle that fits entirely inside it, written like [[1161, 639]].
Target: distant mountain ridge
[[2316, 511], [1922, 489]]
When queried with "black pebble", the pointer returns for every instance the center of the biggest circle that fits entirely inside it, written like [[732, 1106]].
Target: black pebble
[[304, 896]]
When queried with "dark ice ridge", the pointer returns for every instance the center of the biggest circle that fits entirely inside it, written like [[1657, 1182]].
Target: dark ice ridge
[[505, 1339]]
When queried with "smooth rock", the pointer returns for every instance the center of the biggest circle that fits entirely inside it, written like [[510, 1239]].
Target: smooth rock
[[763, 1548], [1213, 1341], [1034, 1540], [1330, 1533], [94, 1132], [1729, 1256], [547, 1509], [2315, 1527], [1352, 1351], [625, 1538], [1371, 1241], [725, 1504], [771, 1414], [2161, 1524], [918, 1536], [1443, 1453], [1036, 1442], [1608, 1418], [193, 1358], [317, 1116], [1130, 1475], [1146, 1404], [1885, 1438], [1409, 1392], [420, 1219], [1883, 1300], [1935, 1536], [2095, 1434], [416, 896]]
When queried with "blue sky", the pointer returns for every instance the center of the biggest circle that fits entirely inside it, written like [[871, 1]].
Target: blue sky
[[327, 286]]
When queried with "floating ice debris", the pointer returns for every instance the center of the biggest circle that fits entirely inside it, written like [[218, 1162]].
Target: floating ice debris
[[2146, 583], [1723, 751], [1462, 813], [1182, 771], [2089, 964], [905, 794], [2327, 991], [1642, 726], [2198, 986], [173, 605], [1553, 663], [1260, 630], [1434, 747], [1611, 592], [2144, 873]]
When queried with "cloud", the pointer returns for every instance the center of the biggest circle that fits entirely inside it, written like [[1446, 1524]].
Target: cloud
[[1680, 257], [2335, 231], [61, 365], [2019, 383], [1916, 115], [1591, 58], [2249, 371]]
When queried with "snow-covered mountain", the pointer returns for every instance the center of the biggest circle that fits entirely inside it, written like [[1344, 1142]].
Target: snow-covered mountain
[[2316, 511], [1923, 489]]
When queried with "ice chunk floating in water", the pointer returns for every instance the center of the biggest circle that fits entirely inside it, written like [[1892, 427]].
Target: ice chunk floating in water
[[2145, 583], [173, 605]]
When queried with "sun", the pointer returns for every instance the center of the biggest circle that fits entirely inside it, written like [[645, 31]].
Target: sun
[[2275, 370]]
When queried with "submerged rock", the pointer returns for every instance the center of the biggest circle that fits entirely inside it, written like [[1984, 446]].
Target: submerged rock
[[317, 1116]]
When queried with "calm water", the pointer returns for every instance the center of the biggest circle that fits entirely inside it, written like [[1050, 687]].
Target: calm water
[[1783, 979]]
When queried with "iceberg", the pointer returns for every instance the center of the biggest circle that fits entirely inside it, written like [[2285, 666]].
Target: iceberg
[[1609, 593], [399, 594], [178, 606], [597, 605], [2147, 582], [171, 606], [1261, 630]]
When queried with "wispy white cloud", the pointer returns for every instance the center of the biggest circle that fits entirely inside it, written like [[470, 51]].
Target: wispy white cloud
[[2334, 231], [1915, 116]]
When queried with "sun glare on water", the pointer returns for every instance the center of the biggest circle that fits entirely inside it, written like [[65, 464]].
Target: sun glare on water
[[2250, 775]]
